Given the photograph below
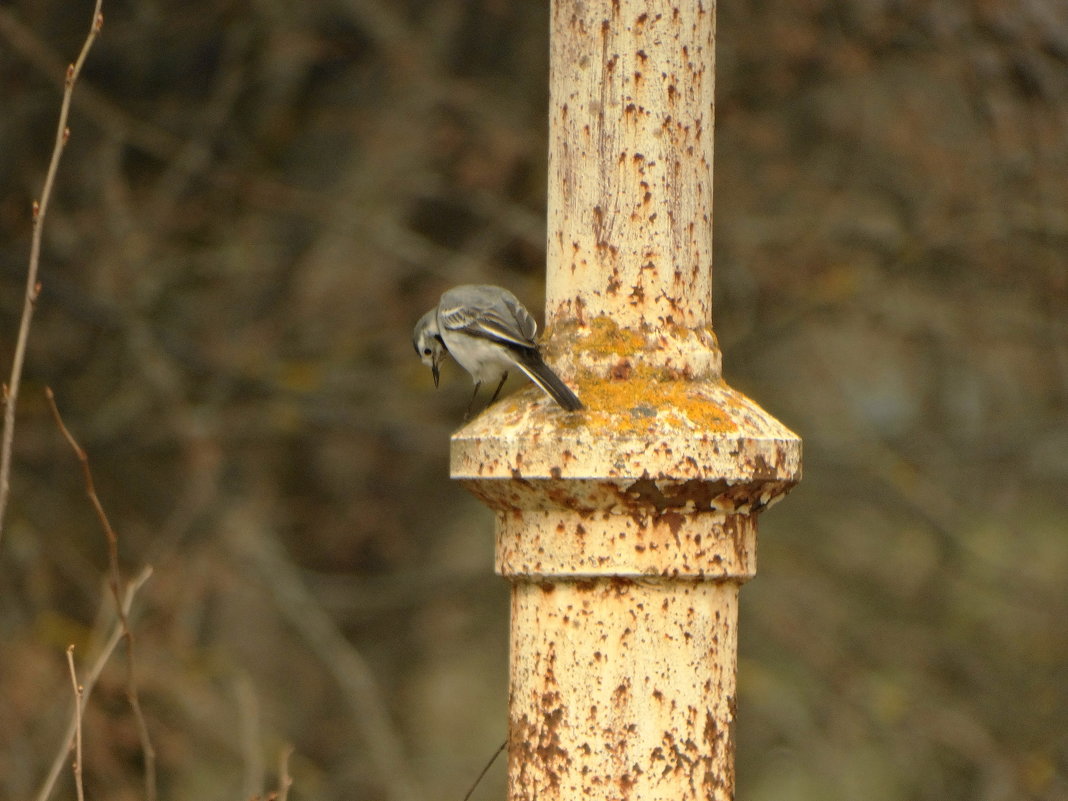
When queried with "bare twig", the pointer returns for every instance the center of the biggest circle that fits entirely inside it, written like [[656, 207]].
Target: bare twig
[[77, 767], [33, 286], [115, 582], [285, 781], [87, 687]]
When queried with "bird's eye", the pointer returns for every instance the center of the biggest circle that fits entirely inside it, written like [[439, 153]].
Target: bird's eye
[[427, 351]]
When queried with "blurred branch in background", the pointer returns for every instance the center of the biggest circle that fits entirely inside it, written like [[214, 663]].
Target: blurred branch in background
[[105, 114], [251, 543]]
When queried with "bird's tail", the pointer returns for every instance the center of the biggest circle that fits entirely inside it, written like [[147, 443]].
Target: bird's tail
[[531, 363]]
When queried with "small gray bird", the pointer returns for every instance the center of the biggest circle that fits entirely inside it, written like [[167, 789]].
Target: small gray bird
[[488, 332]]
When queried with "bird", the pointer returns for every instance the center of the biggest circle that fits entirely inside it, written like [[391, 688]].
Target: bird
[[488, 332]]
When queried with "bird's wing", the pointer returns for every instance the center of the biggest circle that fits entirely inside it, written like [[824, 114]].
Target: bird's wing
[[490, 312]]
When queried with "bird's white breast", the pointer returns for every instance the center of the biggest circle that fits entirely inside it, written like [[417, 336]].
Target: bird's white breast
[[486, 361]]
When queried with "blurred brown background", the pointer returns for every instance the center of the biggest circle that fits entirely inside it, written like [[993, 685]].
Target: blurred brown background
[[261, 197]]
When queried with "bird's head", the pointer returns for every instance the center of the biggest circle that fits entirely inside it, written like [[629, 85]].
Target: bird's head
[[428, 344]]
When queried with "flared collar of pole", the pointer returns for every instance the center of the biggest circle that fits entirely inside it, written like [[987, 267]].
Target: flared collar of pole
[[654, 438]]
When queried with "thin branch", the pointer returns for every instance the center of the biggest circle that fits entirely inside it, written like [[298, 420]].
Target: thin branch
[[90, 682], [77, 767], [115, 582], [33, 286], [285, 781], [114, 577]]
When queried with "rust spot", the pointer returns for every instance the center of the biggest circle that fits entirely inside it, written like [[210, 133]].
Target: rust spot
[[737, 534], [701, 494], [556, 472], [599, 227], [533, 742], [643, 56], [674, 521], [711, 731], [546, 587], [621, 370], [762, 470]]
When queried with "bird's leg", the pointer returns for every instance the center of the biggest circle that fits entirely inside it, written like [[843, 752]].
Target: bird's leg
[[498, 391], [471, 404]]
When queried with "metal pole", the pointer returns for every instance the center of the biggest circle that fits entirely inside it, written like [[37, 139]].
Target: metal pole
[[627, 530]]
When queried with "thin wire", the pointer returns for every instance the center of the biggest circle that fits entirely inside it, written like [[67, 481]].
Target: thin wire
[[485, 770]]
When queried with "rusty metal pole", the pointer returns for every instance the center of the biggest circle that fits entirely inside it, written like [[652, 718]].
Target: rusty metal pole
[[626, 530]]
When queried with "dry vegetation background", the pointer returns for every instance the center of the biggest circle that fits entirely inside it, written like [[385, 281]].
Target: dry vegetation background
[[259, 199]]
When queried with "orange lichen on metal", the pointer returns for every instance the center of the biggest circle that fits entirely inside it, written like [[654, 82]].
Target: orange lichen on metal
[[600, 345], [645, 400], [604, 336]]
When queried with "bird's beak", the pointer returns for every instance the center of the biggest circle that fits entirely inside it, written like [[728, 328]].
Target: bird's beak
[[435, 368]]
